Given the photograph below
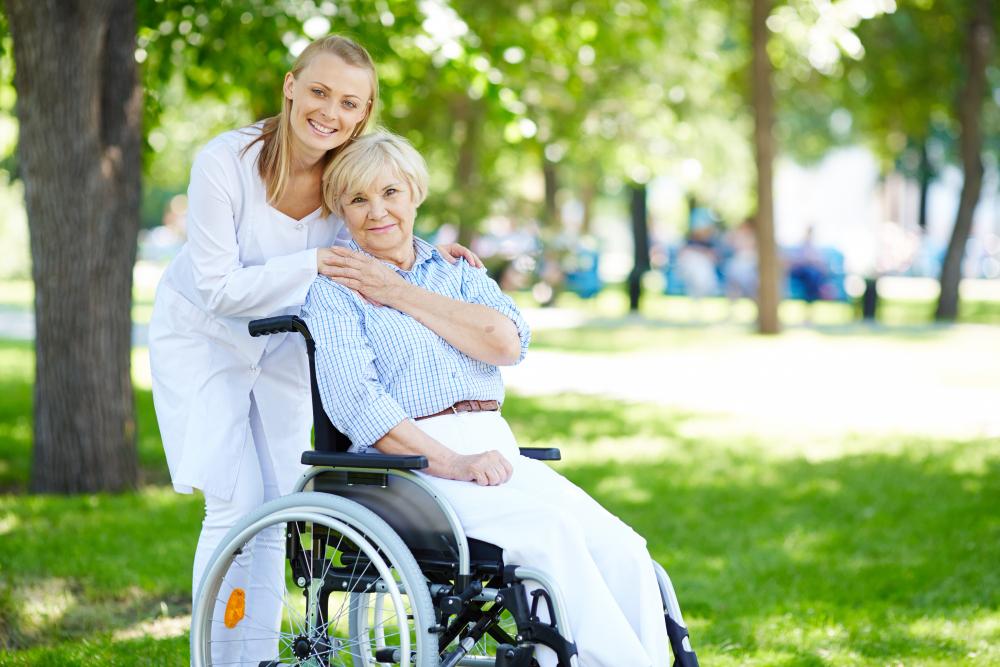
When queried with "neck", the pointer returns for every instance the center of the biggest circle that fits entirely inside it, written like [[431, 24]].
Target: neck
[[403, 257], [305, 160]]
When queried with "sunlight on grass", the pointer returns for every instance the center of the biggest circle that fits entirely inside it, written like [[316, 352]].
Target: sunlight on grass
[[853, 548]]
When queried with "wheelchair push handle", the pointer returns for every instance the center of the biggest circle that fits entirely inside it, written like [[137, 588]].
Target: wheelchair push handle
[[280, 324]]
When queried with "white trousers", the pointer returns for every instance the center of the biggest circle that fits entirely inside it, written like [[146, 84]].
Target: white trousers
[[541, 519], [259, 570]]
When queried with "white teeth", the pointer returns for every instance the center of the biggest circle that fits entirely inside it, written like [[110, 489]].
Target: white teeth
[[321, 128]]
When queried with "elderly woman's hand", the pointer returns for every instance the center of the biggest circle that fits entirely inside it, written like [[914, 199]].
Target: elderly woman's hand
[[365, 275], [486, 469], [453, 251]]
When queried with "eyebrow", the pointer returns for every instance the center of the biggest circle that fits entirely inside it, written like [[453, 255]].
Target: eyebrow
[[326, 87]]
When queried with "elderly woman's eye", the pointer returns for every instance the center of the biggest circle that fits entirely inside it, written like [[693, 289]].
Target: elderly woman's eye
[[390, 192]]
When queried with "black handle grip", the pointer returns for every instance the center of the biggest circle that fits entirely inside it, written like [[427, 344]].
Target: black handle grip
[[281, 324]]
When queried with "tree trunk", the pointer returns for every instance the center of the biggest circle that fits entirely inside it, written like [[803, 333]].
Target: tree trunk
[[640, 236], [970, 104], [763, 105], [925, 173], [550, 175], [588, 193], [79, 105]]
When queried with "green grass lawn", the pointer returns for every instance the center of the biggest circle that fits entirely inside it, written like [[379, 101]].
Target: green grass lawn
[[881, 552]]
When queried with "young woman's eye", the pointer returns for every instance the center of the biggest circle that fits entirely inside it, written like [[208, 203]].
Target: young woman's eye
[[317, 92], [350, 105], [358, 200]]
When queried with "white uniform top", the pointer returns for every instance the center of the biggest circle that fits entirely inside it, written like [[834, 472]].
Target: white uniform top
[[243, 260]]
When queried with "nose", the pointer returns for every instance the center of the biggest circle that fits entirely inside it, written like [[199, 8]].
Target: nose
[[376, 208], [329, 109]]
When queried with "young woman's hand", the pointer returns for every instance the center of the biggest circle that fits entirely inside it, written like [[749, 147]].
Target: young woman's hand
[[453, 251], [365, 275]]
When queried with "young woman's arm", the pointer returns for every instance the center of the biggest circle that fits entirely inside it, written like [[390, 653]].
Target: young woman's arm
[[228, 288]]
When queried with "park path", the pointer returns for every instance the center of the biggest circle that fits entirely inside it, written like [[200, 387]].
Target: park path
[[807, 383]]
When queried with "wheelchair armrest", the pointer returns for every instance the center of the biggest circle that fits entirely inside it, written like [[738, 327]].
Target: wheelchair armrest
[[381, 461], [281, 324], [542, 453]]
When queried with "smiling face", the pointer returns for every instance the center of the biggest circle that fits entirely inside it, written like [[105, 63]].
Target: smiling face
[[380, 217], [330, 99]]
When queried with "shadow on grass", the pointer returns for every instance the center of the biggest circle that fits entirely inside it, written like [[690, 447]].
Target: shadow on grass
[[844, 555], [870, 558]]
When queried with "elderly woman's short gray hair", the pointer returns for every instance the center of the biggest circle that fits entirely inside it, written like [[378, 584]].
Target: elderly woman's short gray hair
[[358, 165]]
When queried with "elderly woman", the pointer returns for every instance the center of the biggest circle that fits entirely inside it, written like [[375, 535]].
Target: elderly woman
[[393, 385]]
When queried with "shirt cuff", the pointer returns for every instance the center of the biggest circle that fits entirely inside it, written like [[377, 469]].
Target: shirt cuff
[[370, 423]]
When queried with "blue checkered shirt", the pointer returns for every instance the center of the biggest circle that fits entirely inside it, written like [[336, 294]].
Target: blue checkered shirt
[[377, 366]]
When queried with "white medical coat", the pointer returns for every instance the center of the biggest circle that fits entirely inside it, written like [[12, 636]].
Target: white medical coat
[[243, 260]]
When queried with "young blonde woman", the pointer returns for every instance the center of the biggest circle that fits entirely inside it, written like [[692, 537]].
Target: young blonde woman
[[234, 411]]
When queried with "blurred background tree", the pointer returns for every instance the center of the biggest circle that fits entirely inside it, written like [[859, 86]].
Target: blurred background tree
[[523, 109]]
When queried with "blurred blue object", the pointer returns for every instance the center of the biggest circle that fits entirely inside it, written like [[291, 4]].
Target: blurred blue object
[[581, 275], [829, 285]]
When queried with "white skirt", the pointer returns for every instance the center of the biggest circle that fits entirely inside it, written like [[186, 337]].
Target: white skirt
[[541, 519]]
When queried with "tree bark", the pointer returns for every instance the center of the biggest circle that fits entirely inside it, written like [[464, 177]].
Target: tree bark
[[763, 106], [640, 237], [924, 173], [79, 106], [970, 103], [550, 176]]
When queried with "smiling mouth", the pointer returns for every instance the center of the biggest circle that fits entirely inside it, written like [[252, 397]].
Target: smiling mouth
[[382, 229], [322, 129]]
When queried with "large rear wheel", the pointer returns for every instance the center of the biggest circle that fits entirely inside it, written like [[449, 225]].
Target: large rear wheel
[[318, 557]]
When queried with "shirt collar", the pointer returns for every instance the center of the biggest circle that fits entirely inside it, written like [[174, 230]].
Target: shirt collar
[[425, 252]]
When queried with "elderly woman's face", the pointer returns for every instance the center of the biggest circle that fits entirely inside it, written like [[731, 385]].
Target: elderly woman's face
[[380, 218]]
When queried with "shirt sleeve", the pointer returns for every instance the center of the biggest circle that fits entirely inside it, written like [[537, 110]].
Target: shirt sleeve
[[477, 287], [349, 386], [228, 288]]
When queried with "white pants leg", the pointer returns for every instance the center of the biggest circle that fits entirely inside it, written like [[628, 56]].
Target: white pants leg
[[541, 519], [258, 571]]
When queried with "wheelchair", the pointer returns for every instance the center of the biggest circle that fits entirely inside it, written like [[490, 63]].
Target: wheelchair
[[378, 571]]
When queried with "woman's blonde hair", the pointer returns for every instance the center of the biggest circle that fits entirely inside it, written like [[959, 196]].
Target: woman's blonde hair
[[274, 161], [358, 165]]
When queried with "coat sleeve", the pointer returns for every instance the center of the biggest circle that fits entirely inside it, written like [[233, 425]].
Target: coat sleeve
[[227, 288]]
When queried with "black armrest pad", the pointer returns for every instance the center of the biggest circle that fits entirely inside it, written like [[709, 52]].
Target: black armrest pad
[[542, 453], [382, 461]]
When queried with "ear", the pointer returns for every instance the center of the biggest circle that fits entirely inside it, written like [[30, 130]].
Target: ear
[[289, 87]]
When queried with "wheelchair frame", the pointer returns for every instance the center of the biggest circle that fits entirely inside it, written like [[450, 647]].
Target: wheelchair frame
[[468, 583]]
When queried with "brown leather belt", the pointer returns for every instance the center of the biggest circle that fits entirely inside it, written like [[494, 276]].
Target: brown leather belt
[[466, 406]]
